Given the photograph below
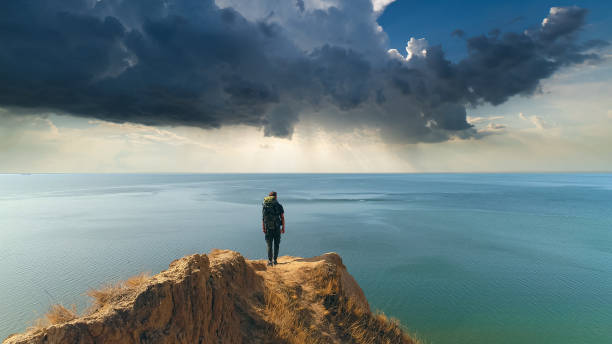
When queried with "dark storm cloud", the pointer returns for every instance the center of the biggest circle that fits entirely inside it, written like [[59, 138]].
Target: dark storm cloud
[[502, 65], [206, 64], [562, 21]]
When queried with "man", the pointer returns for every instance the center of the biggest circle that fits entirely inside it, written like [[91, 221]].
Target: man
[[273, 216]]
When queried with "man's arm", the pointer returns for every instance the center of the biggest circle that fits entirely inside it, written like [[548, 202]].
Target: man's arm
[[263, 225], [281, 210], [283, 222]]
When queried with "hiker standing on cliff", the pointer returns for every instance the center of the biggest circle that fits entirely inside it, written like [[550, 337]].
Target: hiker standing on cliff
[[273, 216]]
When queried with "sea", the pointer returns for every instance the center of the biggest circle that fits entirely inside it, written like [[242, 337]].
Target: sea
[[457, 258]]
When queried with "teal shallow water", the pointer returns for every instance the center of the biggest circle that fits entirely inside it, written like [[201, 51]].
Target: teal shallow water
[[458, 258]]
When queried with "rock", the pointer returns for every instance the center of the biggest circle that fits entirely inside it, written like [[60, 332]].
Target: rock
[[223, 298]]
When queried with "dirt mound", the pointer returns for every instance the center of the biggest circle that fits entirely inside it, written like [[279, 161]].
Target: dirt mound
[[223, 298]]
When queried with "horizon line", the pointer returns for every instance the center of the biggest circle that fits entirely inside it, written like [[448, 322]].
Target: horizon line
[[329, 173]]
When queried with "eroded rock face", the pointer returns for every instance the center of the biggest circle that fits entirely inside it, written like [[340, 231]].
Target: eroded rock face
[[223, 298]]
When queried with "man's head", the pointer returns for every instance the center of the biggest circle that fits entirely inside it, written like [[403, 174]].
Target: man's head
[[272, 193]]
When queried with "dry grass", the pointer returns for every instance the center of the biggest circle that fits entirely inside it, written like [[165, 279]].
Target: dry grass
[[368, 328], [104, 295], [57, 314], [291, 321], [138, 280], [361, 326], [294, 321]]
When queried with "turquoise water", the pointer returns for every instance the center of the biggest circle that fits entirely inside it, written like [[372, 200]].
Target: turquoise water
[[458, 258]]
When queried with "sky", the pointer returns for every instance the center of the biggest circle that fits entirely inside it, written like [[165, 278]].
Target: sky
[[305, 86]]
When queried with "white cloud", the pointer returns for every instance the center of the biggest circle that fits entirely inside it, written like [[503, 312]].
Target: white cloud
[[380, 5], [492, 128], [538, 122], [416, 47], [478, 119], [394, 53]]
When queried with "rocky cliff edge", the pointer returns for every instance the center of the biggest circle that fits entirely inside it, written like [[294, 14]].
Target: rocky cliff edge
[[221, 297]]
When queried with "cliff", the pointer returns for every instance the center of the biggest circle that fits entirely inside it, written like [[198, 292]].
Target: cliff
[[223, 298]]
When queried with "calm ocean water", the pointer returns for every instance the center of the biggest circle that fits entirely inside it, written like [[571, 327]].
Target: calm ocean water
[[458, 258]]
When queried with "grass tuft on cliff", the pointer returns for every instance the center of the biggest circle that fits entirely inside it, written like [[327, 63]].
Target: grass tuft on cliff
[[331, 314], [57, 314], [110, 292]]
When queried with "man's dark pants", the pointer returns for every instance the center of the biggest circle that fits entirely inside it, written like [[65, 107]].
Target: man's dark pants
[[273, 236]]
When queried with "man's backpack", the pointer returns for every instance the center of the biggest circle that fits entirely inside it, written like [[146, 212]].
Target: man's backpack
[[271, 213]]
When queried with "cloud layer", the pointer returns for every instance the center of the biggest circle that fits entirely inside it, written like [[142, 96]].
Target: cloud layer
[[266, 64]]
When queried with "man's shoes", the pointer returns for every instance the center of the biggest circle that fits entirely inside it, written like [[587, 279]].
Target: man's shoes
[[269, 263], [275, 262]]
